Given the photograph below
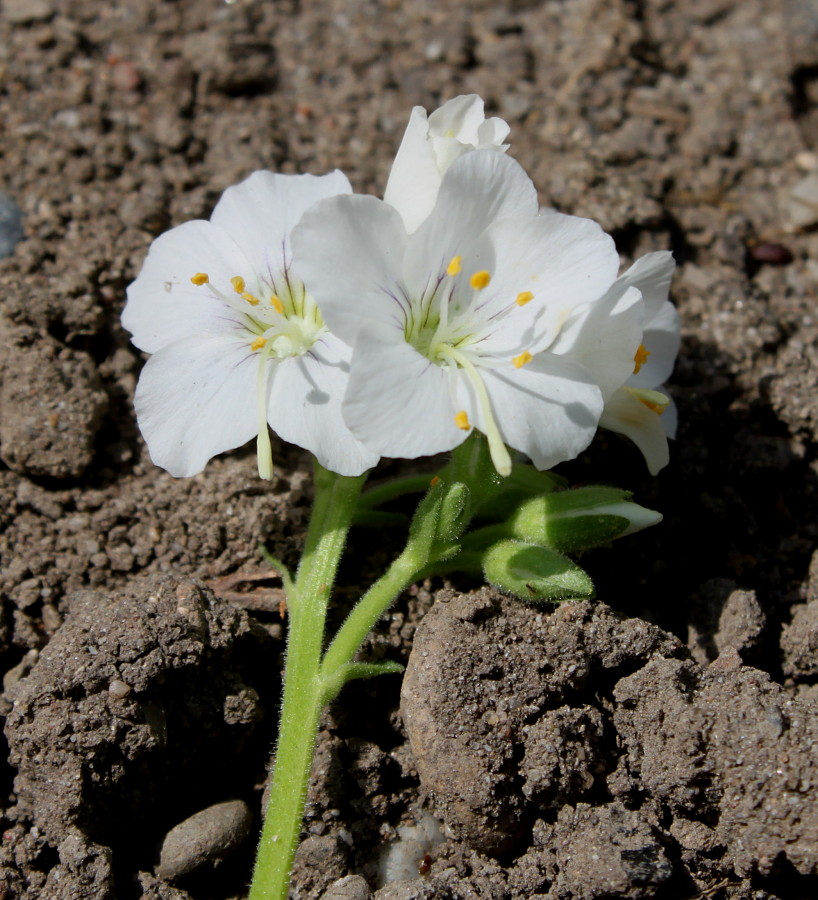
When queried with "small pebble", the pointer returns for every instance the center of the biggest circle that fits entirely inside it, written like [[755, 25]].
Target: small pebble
[[119, 690], [206, 837], [351, 887], [771, 254], [11, 225]]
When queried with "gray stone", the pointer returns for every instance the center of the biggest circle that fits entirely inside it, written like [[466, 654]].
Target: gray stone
[[206, 837]]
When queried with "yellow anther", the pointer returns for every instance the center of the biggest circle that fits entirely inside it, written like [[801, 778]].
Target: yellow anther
[[653, 407], [640, 358], [455, 265], [277, 305], [655, 401], [200, 278], [258, 343], [462, 420], [435, 480], [522, 359], [523, 298], [238, 284], [253, 301], [480, 279]]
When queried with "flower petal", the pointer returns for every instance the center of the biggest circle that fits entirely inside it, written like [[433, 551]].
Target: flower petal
[[604, 336], [349, 251], [415, 177], [662, 339], [304, 407], [477, 190], [398, 403], [261, 211], [548, 409], [197, 398], [163, 305], [651, 274], [626, 415], [564, 261]]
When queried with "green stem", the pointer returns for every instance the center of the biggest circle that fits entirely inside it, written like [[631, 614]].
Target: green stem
[[364, 615], [304, 692]]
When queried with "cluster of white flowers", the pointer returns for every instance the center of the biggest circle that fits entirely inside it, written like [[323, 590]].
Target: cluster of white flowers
[[359, 328]]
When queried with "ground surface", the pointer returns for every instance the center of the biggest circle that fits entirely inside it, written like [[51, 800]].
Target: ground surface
[[667, 749]]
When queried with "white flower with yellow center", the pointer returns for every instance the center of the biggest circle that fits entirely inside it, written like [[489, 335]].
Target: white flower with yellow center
[[237, 341], [455, 323], [430, 145]]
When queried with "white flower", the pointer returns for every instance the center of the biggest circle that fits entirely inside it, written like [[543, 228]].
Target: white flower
[[430, 146], [641, 409], [455, 322], [237, 341]]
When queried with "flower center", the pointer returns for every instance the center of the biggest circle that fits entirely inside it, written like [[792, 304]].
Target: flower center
[[445, 327], [280, 320]]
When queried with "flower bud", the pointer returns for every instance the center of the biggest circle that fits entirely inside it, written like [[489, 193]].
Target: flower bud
[[581, 518], [531, 572]]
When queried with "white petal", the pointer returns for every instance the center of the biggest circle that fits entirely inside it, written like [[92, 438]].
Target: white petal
[[459, 117], [651, 274], [564, 261], [304, 407], [625, 414], [492, 133], [603, 336], [197, 398], [349, 252], [548, 409], [261, 211], [670, 417], [163, 305], [662, 339], [398, 403], [477, 190], [415, 177]]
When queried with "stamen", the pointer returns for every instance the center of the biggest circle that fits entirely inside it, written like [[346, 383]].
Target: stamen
[[497, 449], [462, 420], [480, 280], [522, 359], [640, 358], [200, 278], [654, 400], [455, 265], [277, 305], [253, 301], [264, 450], [258, 343], [523, 298], [238, 284]]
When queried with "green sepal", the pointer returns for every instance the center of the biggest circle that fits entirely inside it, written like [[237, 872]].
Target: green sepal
[[536, 573], [439, 520]]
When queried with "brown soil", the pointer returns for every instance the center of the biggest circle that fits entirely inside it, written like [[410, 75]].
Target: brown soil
[[667, 749]]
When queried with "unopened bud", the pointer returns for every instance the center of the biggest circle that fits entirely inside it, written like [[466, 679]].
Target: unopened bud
[[581, 518], [531, 572]]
